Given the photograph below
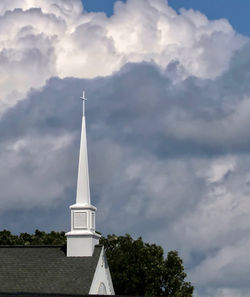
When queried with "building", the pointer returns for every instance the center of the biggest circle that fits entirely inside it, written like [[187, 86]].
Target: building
[[80, 268]]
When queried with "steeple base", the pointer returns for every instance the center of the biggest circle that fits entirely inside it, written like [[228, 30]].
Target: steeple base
[[81, 245], [82, 238]]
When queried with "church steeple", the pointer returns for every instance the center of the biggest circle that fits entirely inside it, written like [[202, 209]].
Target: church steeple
[[82, 238], [83, 193]]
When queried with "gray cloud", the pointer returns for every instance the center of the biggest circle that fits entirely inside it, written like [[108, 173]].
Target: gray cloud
[[168, 160]]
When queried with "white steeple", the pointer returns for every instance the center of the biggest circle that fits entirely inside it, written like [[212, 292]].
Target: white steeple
[[82, 238], [82, 194]]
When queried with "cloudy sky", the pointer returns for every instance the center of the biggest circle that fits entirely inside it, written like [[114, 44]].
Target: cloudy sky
[[167, 120]]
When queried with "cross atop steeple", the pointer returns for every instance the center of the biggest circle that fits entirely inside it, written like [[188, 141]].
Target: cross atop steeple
[[84, 99]]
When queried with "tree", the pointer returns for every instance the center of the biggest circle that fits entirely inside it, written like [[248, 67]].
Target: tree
[[139, 268], [6, 238], [38, 238]]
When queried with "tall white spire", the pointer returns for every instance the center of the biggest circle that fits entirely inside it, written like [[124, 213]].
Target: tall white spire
[[83, 193], [82, 238]]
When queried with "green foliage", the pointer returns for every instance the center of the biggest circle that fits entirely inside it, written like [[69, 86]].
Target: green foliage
[[140, 269], [137, 268], [38, 238]]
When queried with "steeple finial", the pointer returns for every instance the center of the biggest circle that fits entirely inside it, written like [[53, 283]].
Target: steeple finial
[[84, 99]]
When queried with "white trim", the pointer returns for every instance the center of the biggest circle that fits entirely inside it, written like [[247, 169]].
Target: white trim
[[102, 275]]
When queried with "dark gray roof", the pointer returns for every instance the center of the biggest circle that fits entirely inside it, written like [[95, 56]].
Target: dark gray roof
[[45, 269]]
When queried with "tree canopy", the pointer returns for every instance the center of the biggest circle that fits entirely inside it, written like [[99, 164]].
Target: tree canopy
[[38, 238], [137, 268]]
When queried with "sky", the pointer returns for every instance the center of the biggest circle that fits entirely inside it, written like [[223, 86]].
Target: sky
[[237, 12], [167, 125]]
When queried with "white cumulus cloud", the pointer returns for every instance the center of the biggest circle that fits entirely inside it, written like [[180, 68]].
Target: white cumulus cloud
[[40, 39]]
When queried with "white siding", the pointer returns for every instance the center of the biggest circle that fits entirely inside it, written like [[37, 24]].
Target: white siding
[[102, 279]]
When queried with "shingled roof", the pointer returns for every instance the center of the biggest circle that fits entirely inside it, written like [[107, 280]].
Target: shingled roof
[[45, 269]]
